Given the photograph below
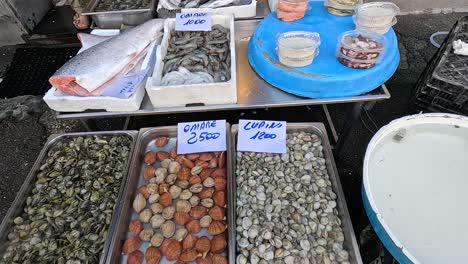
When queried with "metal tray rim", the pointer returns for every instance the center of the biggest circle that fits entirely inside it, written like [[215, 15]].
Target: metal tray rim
[[23, 192], [89, 9], [333, 172]]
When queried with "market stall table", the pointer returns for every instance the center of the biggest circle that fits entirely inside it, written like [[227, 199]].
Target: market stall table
[[252, 92]]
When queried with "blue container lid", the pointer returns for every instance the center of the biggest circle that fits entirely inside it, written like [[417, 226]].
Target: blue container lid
[[326, 77]]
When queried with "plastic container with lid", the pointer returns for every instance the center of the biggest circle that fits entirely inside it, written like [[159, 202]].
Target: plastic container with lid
[[360, 50], [297, 48], [342, 7], [291, 10], [376, 17], [381, 30]]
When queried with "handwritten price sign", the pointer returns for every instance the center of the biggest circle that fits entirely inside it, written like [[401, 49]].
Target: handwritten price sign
[[194, 21], [203, 136], [262, 136]]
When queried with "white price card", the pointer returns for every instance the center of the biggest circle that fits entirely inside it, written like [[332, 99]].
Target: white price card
[[262, 136], [202, 136], [193, 21]]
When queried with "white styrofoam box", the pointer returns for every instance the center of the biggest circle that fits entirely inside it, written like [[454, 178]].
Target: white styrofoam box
[[205, 93], [239, 11], [62, 102]]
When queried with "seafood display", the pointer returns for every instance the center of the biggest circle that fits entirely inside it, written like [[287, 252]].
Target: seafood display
[[179, 211], [197, 52], [178, 4], [342, 7], [291, 10], [297, 48], [93, 70], [184, 76], [377, 17], [67, 215], [287, 210], [114, 5], [360, 50]]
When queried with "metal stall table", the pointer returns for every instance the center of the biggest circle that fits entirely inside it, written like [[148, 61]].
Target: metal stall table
[[252, 92]]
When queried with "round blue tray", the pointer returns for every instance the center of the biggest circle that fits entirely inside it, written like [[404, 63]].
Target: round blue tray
[[326, 77]]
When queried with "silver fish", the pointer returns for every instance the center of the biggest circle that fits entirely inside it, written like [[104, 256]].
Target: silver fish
[[90, 72]]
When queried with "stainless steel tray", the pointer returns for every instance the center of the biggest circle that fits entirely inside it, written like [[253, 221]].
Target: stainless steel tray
[[145, 137], [350, 243], [114, 19], [20, 200]]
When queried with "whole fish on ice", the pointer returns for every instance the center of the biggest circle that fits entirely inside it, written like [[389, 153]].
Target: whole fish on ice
[[91, 71], [88, 40]]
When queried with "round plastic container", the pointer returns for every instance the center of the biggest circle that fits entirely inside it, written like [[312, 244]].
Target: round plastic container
[[381, 30], [291, 10], [360, 50], [356, 63], [377, 16], [342, 7], [297, 48]]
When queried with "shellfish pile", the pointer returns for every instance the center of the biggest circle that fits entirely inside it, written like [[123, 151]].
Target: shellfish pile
[[206, 55], [68, 213], [286, 206], [181, 208]]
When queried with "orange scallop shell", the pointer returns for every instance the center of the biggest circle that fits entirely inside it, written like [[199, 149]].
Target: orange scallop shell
[[144, 191], [219, 198], [173, 153], [172, 250], [198, 212], [219, 173], [204, 260], [205, 173], [216, 228], [220, 183], [218, 259], [152, 255], [161, 141], [165, 199], [131, 244], [135, 227], [184, 174], [189, 255], [135, 257], [189, 241], [206, 193], [150, 157], [181, 218], [217, 213], [193, 226], [162, 155], [194, 179], [218, 244], [203, 245]]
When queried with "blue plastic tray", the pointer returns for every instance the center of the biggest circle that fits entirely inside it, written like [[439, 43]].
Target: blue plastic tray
[[326, 77]]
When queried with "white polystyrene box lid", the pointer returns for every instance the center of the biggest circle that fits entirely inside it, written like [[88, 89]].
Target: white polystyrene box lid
[[416, 181]]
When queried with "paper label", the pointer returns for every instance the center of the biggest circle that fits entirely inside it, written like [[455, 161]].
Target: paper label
[[262, 136], [202, 136], [193, 21]]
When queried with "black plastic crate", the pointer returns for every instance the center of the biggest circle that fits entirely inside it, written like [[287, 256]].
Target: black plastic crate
[[31, 68], [443, 86]]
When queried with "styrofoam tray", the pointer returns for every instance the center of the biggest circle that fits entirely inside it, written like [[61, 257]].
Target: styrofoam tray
[[63, 102], [239, 11], [205, 93]]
